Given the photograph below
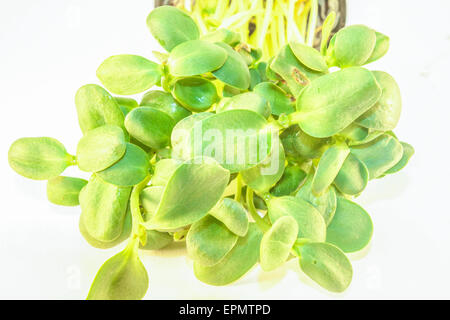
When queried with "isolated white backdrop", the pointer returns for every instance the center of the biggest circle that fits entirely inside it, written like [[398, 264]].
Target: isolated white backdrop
[[49, 48]]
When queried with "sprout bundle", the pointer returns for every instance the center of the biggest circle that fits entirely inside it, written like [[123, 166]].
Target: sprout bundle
[[248, 160]]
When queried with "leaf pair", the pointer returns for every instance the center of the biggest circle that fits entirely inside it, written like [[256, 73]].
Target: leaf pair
[[311, 224], [292, 70], [210, 239], [236, 263], [356, 45]]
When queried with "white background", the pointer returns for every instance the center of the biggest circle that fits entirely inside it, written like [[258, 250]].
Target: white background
[[48, 49]]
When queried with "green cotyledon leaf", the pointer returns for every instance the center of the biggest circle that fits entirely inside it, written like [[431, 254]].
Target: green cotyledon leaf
[[327, 265], [128, 74], [328, 168], [354, 133], [408, 152], [242, 258], [150, 126], [237, 139], [99, 244], [165, 102], [100, 148], [196, 57], [311, 224], [193, 190], [223, 35], [276, 97], [64, 191], [277, 243], [123, 277], [195, 94], [298, 144], [291, 180], [103, 209], [379, 155], [247, 101], [332, 102], [130, 170], [233, 215], [235, 71], [309, 57], [351, 228], [39, 158], [164, 169], [209, 240], [381, 47], [325, 204], [149, 199], [267, 173], [288, 67], [170, 26], [96, 107], [180, 138], [126, 104], [353, 45], [385, 114], [353, 177]]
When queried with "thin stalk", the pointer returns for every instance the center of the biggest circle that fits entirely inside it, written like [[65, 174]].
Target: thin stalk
[[238, 195], [252, 210], [138, 231], [294, 118], [312, 22], [220, 9], [266, 22]]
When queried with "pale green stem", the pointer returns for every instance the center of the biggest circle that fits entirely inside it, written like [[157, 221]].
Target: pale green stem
[[312, 22], [266, 22], [252, 210], [295, 118], [136, 213], [220, 10], [238, 195]]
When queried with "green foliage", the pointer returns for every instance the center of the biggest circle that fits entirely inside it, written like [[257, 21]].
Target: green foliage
[[246, 158], [123, 277], [64, 191], [351, 228], [128, 74], [39, 158], [277, 243], [327, 265]]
